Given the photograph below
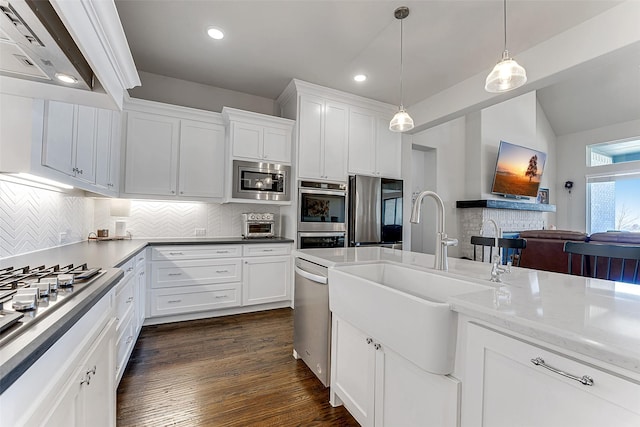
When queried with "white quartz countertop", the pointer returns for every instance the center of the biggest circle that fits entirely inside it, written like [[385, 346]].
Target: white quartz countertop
[[596, 318]]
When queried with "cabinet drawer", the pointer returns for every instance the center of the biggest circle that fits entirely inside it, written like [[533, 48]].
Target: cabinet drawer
[[194, 298], [502, 381], [128, 267], [168, 253], [126, 337], [265, 249], [187, 273], [139, 259], [125, 299]]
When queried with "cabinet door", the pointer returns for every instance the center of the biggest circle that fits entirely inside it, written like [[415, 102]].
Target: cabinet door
[[353, 359], [504, 388], [408, 396], [276, 145], [362, 134], [98, 399], [57, 150], [141, 305], [311, 136], [114, 152], [246, 140], [266, 279], [201, 159], [151, 154], [84, 157], [335, 141], [103, 148], [388, 150]]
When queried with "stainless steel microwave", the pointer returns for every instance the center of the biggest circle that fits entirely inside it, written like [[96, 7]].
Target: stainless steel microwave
[[261, 181]]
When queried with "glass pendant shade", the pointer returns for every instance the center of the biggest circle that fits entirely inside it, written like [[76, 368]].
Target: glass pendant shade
[[401, 122], [506, 75]]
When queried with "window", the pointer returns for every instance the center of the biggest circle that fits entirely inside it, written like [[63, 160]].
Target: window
[[614, 203], [608, 153]]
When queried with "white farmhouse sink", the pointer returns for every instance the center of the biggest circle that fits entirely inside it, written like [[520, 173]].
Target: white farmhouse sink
[[401, 307]]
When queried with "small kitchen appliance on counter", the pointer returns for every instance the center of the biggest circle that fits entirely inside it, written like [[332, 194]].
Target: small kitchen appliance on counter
[[257, 225]]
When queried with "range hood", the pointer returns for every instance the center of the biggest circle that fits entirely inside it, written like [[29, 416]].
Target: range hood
[[36, 46]]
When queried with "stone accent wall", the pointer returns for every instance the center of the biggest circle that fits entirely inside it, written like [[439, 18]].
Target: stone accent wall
[[471, 219]]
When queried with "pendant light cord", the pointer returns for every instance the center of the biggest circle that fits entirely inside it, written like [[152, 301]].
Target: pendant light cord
[[505, 24], [401, 66]]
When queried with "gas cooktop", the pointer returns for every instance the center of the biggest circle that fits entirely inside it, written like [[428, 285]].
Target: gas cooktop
[[27, 295]]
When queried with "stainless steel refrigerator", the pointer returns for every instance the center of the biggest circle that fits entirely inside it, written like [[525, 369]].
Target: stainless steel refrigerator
[[375, 211]]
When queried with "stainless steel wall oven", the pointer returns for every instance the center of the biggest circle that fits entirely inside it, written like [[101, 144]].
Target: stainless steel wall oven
[[322, 215]]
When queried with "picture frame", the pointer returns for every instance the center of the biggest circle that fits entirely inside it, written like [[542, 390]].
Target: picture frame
[[543, 196]]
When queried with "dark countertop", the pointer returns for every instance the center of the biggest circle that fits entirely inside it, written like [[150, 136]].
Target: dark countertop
[[20, 353]]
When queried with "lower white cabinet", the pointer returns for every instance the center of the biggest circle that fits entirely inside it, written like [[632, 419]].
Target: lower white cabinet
[[72, 383], [88, 399], [200, 278], [130, 310], [266, 279], [503, 387], [381, 388]]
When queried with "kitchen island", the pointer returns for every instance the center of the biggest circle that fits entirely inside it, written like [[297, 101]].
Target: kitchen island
[[572, 323]]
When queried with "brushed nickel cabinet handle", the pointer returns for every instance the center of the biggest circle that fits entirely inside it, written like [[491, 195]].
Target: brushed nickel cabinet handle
[[174, 274], [585, 379]]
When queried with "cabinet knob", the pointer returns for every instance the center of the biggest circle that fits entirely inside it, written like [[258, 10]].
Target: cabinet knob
[[182, 192], [369, 340], [80, 171], [377, 346], [173, 192]]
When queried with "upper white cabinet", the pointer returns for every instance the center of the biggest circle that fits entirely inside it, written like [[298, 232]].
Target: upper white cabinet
[[173, 152], [69, 139], [504, 387], [373, 148], [201, 159], [322, 136], [152, 154], [108, 142], [258, 137], [340, 134]]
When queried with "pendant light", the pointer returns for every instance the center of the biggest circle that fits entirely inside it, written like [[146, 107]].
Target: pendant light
[[401, 122], [507, 74]]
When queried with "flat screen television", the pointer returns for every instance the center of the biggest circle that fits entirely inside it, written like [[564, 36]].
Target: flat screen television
[[518, 171]]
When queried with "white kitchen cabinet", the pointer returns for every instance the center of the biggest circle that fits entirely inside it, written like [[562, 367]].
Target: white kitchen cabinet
[[174, 153], [502, 387], [69, 139], [140, 273], [72, 393], [88, 399], [191, 279], [373, 148], [126, 317], [258, 137], [108, 151], [151, 160], [381, 388], [202, 159], [322, 139], [266, 279]]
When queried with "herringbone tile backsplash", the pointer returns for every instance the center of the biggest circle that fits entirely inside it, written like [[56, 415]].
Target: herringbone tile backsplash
[[32, 219]]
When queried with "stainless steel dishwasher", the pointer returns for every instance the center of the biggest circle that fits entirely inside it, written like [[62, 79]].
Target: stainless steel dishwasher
[[311, 318]]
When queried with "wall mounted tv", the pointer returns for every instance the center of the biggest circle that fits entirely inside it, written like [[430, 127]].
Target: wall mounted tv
[[518, 171]]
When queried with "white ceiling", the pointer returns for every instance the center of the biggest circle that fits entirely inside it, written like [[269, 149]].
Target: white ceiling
[[326, 42]]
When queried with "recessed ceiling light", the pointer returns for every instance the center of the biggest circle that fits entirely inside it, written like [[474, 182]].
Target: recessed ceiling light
[[360, 77], [66, 78], [215, 33]]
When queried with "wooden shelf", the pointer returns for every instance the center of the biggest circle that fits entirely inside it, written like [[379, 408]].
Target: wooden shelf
[[505, 204]]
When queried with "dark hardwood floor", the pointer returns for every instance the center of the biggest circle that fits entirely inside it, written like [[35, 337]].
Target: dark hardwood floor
[[226, 371]]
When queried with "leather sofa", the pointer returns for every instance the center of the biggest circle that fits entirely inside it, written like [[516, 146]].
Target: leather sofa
[[545, 250]]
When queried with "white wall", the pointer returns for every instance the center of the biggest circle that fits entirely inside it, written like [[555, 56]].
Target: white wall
[[448, 139], [572, 166], [195, 95]]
